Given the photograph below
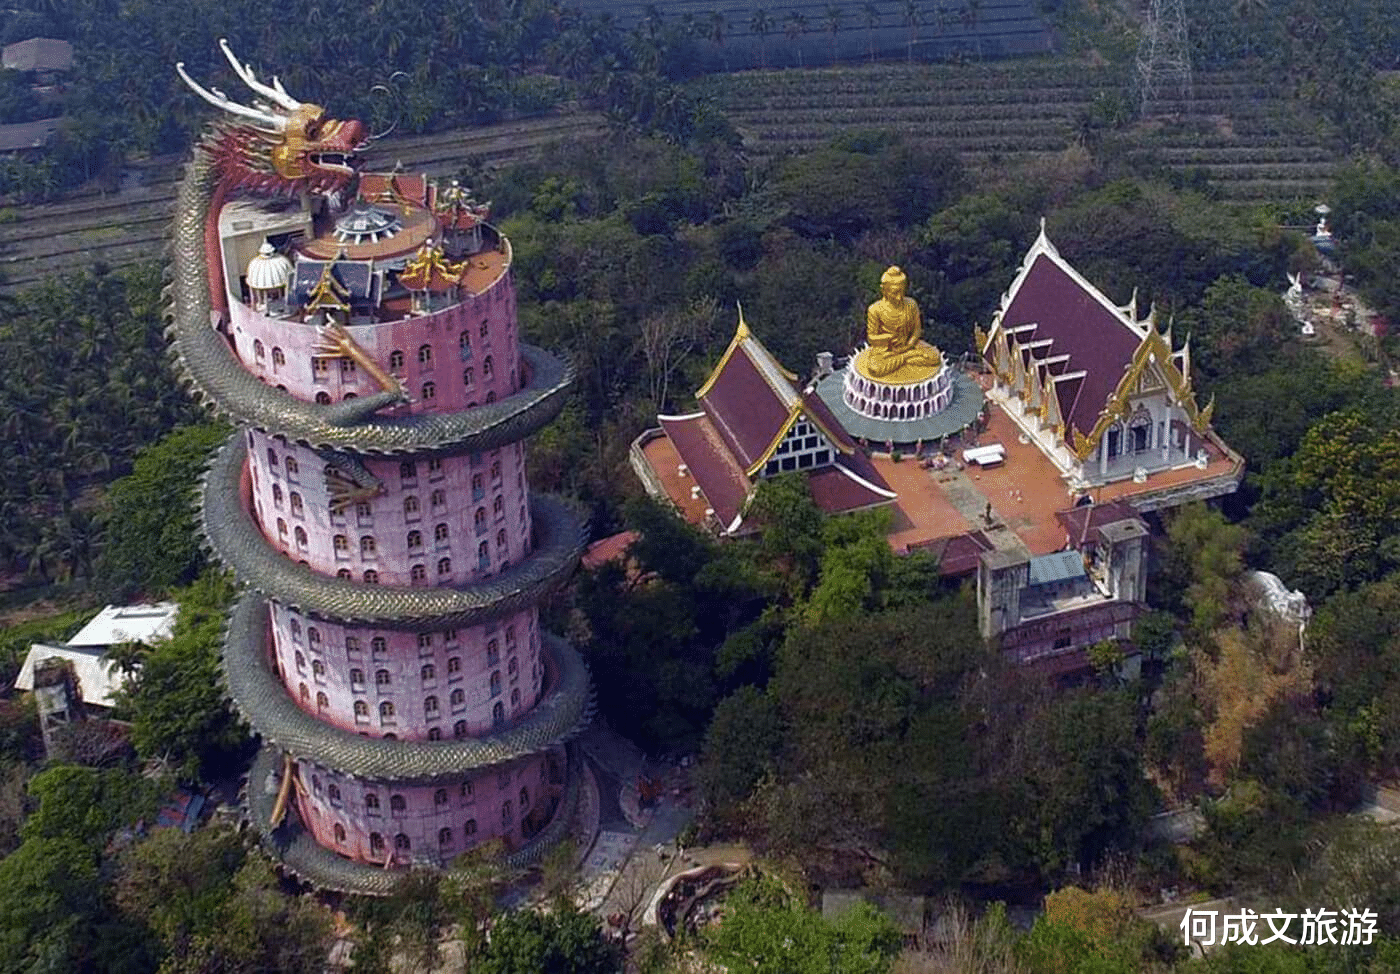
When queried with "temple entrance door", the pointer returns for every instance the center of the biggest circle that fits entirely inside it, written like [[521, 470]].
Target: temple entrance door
[[1115, 443], [1139, 433]]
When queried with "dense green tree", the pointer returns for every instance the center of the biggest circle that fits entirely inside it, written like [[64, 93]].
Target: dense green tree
[[177, 706], [1201, 565], [176, 884], [742, 744], [152, 541], [88, 805], [766, 932], [563, 942]]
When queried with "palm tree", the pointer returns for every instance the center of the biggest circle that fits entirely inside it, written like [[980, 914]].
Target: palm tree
[[794, 27], [761, 24], [911, 20], [834, 16], [872, 20], [718, 25], [126, 657]]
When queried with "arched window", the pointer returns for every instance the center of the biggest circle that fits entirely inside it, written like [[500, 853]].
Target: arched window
[[401, 842], [439, 498], [468, 376], [396, 359], [371, 577], [376, 842], [386, 710], [316, 783], [343, 573], [281, 528], [408, 470], [258, 348], [479, 520], [428, 672], [333, 793], [381, 678], [488, 368], [341, 544], [313, 636], [464, 345], [491, 397], [430, 706], [501, 538], [352, 644], [440, 796], [296, 629], [507, 813], [410, 505], [459, 730], [429, 391], [367, 546], [510, 636], [364, 510], [498, 506], [425, 355], [300, 660], [339, 834], [372, 801], [361, 708], [440, 533], [454, 664], [425, 640], [277, 494], [292, 466], [378, 645], [515, 699], [512, 666], [495, 470], [318, 668], [478, 487], [322, 701], [415, 540], [498, 713], [418, 573], [469, 828], [444, 837], [300, 534], [397, 803], [323, 398], [445, 566], [459, 697], [524, 798], [357, 677], [493, 652], [278, 359], [434, 733], [305, 692]]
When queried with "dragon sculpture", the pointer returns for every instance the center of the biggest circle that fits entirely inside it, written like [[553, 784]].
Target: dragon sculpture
[[280, 146]]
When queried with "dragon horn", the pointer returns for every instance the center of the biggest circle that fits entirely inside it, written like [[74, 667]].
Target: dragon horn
[[271, 122], [245, 72]]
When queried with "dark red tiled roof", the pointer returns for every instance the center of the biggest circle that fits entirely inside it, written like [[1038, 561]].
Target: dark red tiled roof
[[712, 466], [821, 413], [745, 409], [957, 554], [1097, 516], [834, 491], [1076, 320]]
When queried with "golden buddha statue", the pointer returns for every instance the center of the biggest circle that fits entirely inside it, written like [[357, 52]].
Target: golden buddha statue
[[896, 354]]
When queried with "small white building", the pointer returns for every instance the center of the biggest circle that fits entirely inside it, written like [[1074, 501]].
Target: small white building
[[98, 679]]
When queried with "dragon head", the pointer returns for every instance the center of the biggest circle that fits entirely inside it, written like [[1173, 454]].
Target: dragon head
[[279, 142]]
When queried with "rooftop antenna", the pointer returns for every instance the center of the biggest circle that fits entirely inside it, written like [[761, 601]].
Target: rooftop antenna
[[1164, 55]]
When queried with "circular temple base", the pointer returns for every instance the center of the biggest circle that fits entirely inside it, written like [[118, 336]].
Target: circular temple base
[[898, 402], [960, 410]]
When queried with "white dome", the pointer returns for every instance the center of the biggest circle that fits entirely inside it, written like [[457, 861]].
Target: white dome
[[269, 270]]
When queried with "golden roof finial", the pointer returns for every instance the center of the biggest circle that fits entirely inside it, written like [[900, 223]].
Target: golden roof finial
[[742, 331]]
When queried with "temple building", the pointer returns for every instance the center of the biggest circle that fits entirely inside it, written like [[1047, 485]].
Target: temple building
[[1104, 394], [1028, 472], [754, 422], [388, 646]]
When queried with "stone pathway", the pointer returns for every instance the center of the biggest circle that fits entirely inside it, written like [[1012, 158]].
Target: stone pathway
[[971, 503]]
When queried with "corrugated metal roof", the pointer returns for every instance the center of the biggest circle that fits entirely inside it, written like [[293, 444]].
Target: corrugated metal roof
[[98, 680], [128, 624], [1060, 566]]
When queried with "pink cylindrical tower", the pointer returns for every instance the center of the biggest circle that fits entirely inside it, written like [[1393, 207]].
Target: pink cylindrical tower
[[389, 651]]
